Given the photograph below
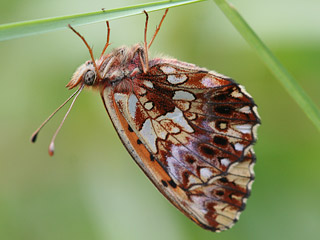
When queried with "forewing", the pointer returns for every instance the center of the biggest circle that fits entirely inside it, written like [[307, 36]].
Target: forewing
[[191, 131]]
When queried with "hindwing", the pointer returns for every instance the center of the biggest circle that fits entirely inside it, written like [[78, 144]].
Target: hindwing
[[191, 131]]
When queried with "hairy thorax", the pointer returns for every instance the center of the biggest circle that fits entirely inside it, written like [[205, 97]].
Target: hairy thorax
[[116, 69]]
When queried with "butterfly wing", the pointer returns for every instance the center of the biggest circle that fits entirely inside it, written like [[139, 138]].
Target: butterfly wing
[[191, 131]]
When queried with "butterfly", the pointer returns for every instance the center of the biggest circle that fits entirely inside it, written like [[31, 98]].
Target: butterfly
[[190, 130]]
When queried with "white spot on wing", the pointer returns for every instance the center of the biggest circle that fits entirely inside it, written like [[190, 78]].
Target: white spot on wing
[[133, 105], [176, 79], [205, 173], [118, 97], [245, 128], [236, 94], [225, 162], [210, 82], [177, 117], [183, 95], [148, 105], [168, 69], [238, 147], [149, 135], [148, 84], [245, 109], [173, 167]]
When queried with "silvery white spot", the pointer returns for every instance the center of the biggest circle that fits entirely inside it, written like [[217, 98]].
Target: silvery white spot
[[238, 147], [133, 105], [120, 97], [174, 167], [148, 84], [148, 105], [205, 173], [245, 109], [208, 81], [168, 69], [176, 79], [225, 161], [245, 128], [149, 135], [183, 95], [177, 117]]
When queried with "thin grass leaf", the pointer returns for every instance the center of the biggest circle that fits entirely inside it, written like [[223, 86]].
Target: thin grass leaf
[[26, 28], [280, 72]]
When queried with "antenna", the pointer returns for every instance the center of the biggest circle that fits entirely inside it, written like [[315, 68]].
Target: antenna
[[89, 48], [35, 134]]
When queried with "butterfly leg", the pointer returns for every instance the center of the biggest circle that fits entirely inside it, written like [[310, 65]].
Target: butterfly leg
[[158, 28], [145, 65]]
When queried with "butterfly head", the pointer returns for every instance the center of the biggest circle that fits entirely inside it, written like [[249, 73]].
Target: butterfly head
[[85, 74]]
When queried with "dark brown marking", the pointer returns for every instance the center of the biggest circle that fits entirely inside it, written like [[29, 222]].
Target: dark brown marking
[[220, 193], [235, 220], [164, 183], [139, 142], [151, 157], [207, 150], [34, 138], [220, 97], [220, 140], [185, 174], [172, 183], [223, 109], [185, 178], [130, 129], [224, 180], [190, 159]]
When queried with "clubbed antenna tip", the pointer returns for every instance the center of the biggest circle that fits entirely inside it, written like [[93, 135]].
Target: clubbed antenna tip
[[51, 149]]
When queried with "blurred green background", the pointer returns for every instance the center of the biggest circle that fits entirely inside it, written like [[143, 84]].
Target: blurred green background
[[91, 188]]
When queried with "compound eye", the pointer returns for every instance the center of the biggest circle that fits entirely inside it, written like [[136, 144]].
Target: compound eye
[[89, 77]]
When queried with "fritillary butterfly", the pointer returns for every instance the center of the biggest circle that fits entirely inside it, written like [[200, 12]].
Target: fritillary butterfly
[[189, 129]]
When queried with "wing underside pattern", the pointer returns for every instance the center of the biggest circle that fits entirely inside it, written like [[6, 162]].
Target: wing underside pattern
[[191, 131]]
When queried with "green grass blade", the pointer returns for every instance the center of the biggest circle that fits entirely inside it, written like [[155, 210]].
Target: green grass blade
[[26, 28], [287, 80]]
